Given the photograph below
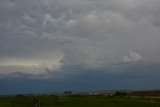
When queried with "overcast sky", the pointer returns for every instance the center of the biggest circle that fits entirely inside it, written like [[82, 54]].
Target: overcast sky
[[71, 41]]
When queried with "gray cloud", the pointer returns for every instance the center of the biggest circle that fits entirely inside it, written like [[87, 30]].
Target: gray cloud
[[90, 34]]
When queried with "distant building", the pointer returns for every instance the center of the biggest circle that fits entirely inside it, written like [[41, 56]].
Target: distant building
[[99, 93], [68, 93], [93, 93]]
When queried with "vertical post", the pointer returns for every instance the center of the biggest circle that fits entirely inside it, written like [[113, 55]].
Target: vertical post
[[13, 102], [33, 102], [37, 103], [56, 99]]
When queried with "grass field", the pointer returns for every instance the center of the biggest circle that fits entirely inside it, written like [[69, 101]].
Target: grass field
[[78, 101]]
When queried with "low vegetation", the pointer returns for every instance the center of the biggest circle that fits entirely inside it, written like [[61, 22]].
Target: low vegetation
[[116, 100]]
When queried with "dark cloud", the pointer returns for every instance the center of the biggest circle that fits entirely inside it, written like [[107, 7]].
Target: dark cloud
[[132, 76], [110, 38]]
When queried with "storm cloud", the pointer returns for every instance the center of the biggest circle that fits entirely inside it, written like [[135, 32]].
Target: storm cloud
[[66, 38]]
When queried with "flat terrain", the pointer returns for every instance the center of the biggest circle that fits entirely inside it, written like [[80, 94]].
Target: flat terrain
[[79, 101]]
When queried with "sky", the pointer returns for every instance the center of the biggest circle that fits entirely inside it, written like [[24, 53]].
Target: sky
[[56, 45]]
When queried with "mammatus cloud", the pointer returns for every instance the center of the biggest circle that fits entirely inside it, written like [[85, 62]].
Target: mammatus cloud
[[7, 4], [66, 35]]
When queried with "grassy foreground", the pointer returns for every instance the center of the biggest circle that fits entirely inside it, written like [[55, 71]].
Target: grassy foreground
[[78, 101]]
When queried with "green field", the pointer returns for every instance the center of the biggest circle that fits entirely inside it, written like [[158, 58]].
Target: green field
[[78, 101]]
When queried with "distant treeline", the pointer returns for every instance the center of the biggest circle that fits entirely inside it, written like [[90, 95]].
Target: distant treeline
[[145, 93]]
